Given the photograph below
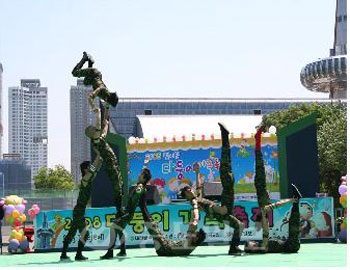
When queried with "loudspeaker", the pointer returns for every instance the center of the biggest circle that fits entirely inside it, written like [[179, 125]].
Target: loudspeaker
[[212, 191], [152, 194]]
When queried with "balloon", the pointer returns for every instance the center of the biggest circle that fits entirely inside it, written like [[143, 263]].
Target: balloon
[[35, 206], [13, 199], [17, 222], [342, 226], [23, 218], [24, 245], [36, 210], [342, 236], [342, 189], [342, 200], [31, 213], [18, 236], [8, 209], [10, 220], [13, 245], [13, 233], [15, 213], [20, 208], [7, 219]]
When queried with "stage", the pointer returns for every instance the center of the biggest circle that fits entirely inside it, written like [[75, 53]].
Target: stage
[[310, 255]]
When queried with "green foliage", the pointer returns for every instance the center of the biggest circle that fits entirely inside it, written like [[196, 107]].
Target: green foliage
[[57, 178], [331, 138]]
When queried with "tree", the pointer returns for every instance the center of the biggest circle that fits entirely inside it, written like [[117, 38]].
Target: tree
[[57, 178], [331, 138]]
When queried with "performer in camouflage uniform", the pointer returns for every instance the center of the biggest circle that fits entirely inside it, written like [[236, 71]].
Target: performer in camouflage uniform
[[165, 247], [88, 172], [120, 223], [93, 77], [292, 245], [223, 213], [99, 141]]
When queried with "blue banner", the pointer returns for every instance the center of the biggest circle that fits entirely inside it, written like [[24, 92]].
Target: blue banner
[[317, 221], [171, 165]]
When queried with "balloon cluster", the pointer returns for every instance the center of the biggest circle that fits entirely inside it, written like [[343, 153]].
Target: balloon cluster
[[343, 201], [14, 208]]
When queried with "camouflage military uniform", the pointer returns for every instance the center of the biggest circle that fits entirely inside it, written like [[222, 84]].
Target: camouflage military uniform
[[292, 245], [78, 221], [165, 247], [112, 168], [121, 222], [273, 246], [93, 77], [227, 196]]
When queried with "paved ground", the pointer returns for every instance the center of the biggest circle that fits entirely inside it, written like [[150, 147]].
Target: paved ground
[[310, 255]]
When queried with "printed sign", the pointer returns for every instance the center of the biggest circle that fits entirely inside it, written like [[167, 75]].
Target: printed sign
[[317, 221], [171, 165]]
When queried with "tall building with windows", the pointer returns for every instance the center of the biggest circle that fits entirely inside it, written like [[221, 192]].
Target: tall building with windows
[[28, 131], [80, 118], [1, 127]]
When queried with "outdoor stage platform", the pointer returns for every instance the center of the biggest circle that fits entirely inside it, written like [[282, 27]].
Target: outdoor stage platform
[[310, 255]]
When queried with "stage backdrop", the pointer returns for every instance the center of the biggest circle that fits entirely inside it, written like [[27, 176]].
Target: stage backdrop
[[317, 221], [171, 164]]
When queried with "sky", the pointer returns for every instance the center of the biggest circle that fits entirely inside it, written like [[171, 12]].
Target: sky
[[161, 48]]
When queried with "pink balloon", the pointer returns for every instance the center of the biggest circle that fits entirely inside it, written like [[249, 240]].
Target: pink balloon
[[36, 210], [34, 206], [342, 189], [32, 216]]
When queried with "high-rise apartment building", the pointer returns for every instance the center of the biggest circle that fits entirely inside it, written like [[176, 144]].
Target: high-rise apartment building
[[28, 132], [80, 118]]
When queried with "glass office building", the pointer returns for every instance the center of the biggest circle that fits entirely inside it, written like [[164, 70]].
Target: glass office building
[[124, 116]]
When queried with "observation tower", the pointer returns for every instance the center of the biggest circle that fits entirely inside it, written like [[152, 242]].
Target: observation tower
[[329, 75]]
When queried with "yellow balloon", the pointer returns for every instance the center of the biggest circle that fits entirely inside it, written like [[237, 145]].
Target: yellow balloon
[[15, 213], [18, 236]]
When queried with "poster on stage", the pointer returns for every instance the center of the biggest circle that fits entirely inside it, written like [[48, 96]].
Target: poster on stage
[[317, 221], [171, 164]]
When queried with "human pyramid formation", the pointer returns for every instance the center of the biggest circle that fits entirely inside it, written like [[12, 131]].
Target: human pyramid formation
[[137, 198]]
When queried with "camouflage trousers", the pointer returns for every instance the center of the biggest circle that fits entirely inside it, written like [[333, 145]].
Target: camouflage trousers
[[227, 195], [113, 171], [123, 219], [78, 221], [292, 245], [165, 247]]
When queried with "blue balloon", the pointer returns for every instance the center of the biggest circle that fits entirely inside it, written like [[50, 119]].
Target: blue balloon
[[24, 245], [13, 245], [342, 236]]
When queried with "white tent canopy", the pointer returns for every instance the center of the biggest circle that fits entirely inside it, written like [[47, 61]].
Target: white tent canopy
[[157, 126]]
